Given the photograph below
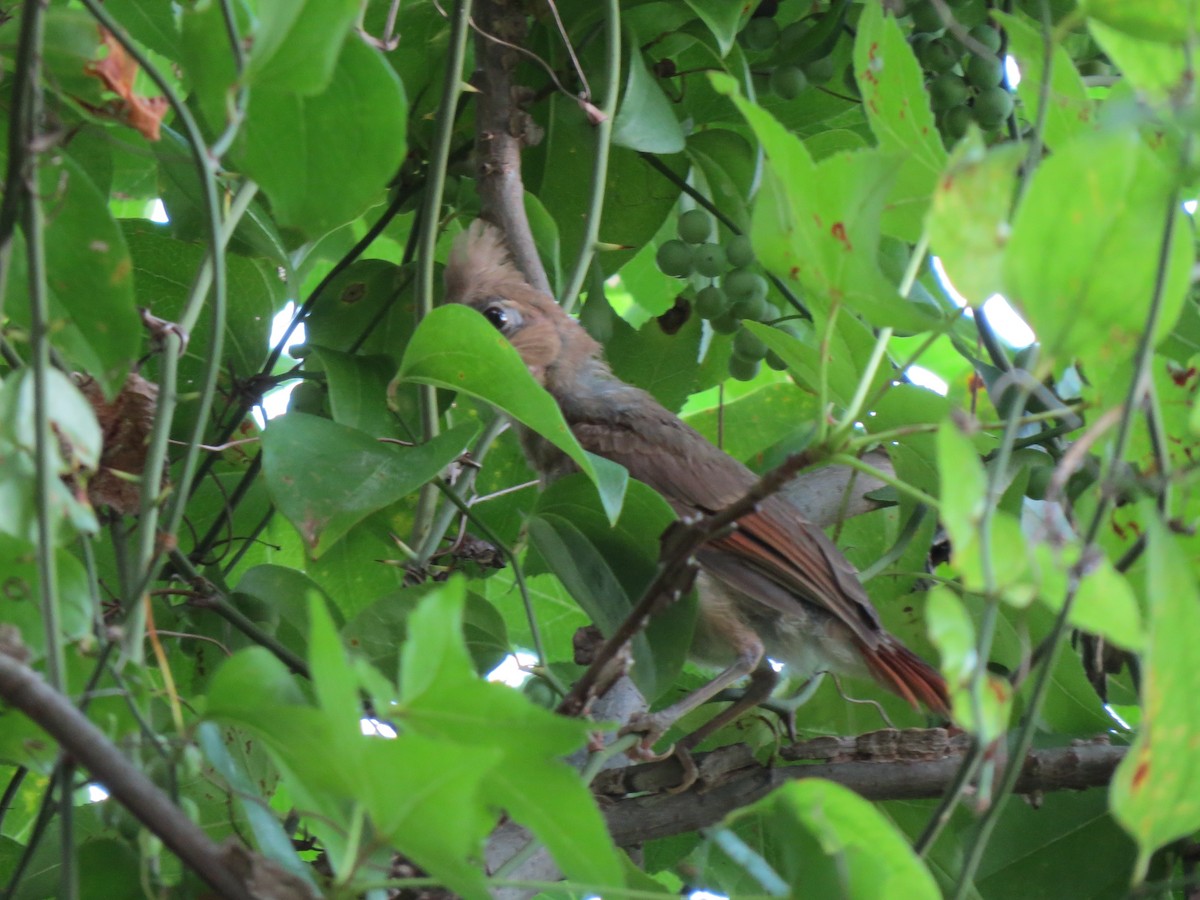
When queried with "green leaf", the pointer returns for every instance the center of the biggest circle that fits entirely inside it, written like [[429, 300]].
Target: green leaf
[[817, 224], [93, 317], [455, 348], [590, 580], [645, 120], [20, 585], [1086, 289], [358, 391], [442, 698], [378, 631], [1069, 110], [854, 851], [1155, 787], [296, 43], [151, 23], [661, 362], [333, 680], [1105, 604], [897, 106], [325, 478], [637, 199], [319, 184], [1155, 69], [272, 840], [165, 267], [963, 490], [723, 20], [953, 633], [968, 219], [850, 347], [1168, 21], [415, 781]]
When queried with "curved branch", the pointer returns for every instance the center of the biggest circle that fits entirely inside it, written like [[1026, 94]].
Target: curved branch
[[501, 129], [87, 744], [736, 780]]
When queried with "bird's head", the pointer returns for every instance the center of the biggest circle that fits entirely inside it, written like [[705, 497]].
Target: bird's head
[[481, 274]]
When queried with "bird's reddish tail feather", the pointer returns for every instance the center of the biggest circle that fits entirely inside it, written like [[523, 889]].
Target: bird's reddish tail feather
[[900, 670]]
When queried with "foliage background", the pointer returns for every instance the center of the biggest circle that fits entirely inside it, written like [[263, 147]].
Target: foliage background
[[224, 629]]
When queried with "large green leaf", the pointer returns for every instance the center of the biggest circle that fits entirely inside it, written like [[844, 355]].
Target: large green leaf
[[968, 220], [817, 225], [325, 478], [164, 269], [442, 698], [645, 120], [93, 316], [296, 43], [1154, 789], [823, 840], [897, 107], [321, 183], [1083, 258], [455, 348], [1069, 109]]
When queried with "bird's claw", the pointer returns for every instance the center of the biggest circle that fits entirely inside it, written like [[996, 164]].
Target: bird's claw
[[643, 751]]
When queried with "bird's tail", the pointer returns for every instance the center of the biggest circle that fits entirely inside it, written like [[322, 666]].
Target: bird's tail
[[903, 672]]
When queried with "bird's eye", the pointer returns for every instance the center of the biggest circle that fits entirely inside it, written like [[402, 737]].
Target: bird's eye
[[497, 316]]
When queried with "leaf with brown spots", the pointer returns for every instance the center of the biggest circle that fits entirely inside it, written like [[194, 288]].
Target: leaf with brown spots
[[1156, 790]]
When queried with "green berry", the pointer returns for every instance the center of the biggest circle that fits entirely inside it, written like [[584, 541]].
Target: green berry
[[743, 369], [674, 258], [819, 71], [926, 17], [788, 81], [308, 397], [984, 71], [726, 323], [742, 283], [760, 34], [753, 307], [775, 361], [988, 36], [711, 302], [992, 107], [710, 260], [739, 251], [748, 345], [694, 226], [941, 55], [792, 35], [947, 91], [955, 122]]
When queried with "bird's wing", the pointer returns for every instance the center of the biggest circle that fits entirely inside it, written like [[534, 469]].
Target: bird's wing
[[774, 554]]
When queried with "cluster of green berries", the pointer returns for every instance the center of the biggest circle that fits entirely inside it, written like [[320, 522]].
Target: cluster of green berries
[[964, 86], [735, 291], [794, 54]]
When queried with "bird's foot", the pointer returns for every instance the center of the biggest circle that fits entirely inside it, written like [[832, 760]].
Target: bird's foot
[[652, 728]]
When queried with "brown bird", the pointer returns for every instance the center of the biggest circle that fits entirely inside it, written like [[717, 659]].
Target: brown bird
[[773, 587]]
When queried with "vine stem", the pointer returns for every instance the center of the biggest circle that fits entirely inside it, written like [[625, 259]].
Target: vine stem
[[591, 233], [430, 220], [1138, 388]]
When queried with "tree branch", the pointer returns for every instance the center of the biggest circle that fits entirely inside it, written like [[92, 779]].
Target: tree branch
[[501, 130], [731, 778], [25, 689]]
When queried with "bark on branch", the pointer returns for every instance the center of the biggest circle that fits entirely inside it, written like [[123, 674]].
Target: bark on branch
[[230, 870], [731, 779]]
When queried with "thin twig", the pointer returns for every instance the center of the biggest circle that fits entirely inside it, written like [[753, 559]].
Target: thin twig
[[681, 540]]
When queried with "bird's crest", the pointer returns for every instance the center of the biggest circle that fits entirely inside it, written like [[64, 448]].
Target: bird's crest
[[480, 265]]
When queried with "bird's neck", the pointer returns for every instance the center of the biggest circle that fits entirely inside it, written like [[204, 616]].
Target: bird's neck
[[587, 390]]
